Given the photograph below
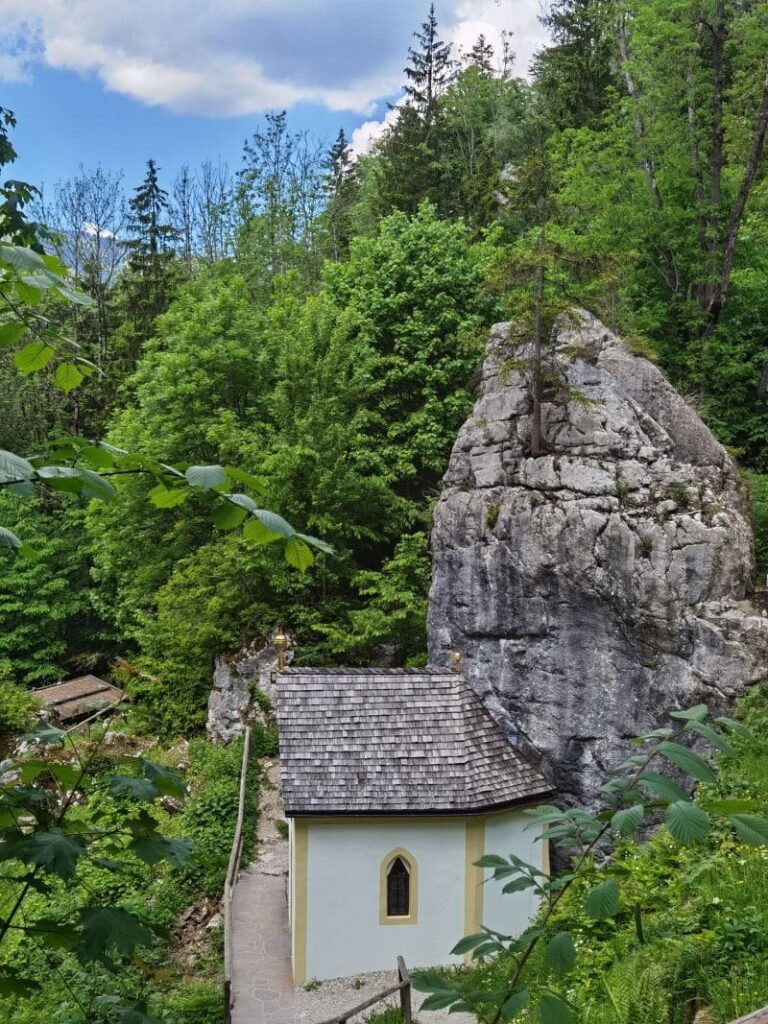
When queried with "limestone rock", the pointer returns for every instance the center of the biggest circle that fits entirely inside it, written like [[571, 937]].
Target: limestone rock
[[236, 678], [604, 583]]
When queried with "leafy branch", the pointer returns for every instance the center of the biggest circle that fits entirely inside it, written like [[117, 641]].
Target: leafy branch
[[636, 792]]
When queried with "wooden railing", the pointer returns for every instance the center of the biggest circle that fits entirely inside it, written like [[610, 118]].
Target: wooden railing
[[231, 880], [758, 1017], [403, 986]]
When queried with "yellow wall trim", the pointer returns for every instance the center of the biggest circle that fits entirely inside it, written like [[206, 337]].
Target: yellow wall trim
[[300, 865], [399, 819], [473, 876], [413, 888]]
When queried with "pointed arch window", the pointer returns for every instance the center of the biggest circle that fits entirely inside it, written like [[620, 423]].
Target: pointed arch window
[[399, 888]]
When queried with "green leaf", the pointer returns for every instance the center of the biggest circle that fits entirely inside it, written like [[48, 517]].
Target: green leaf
[[47, 735], [603, 901], [695, 714], [316, 543], [54, 851], [53, 934], [254, 530], [716, 739], [663, 786], [107, 928], [428, 981], [244, 501], [13, 467], [733, 805], [688, 761], [227, 516], [750, 828], [735, 727], [61, 478], [469, 942], [95, 486], [136, 789], [167, 497], [274, 523], [516, 1002], [552, 1010], [67, 377], [206, 477], [167, 781], [518, 885], [298, 554], [625, 822], [34, 356], [12, 984], [67, 774], [439, 1000], [687, 822], [491, 860], [11, 333], [153, 849], [561, 953]]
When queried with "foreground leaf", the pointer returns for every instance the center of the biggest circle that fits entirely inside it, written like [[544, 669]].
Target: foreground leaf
[[111, 928], [552, 1010], [54, 851], [687, 822], [561, 953], [750, 828], [603, 901], [688, 761]]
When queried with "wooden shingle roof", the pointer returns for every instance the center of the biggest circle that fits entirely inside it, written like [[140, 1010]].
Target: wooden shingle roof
[[79, 696], [394, 741]]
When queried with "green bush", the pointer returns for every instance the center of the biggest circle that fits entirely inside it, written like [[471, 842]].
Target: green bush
[[758, 486], [17, 708], [193, 1003]]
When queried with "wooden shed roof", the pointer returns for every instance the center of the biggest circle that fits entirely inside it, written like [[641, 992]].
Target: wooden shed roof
[[80, 696], [394, 741]]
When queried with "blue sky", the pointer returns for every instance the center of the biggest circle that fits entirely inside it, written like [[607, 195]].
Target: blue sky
[[182, 80]]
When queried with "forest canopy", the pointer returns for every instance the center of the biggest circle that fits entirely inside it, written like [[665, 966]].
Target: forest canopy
[[315, 319]]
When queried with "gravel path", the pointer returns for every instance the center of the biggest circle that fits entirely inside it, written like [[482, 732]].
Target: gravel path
[[263, 989]]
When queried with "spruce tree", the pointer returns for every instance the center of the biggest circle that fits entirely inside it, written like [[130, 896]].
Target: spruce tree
[[147, 288], [430, 67], [481, 56], [342, 189]]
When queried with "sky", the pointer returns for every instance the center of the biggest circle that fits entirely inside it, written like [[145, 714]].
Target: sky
[[118, 81]]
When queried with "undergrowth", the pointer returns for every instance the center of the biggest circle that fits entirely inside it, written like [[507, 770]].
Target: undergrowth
[[181, 985], [703, 946]]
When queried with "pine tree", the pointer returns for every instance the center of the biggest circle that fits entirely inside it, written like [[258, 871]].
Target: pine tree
[[431, 66], [481, 56], [148, 286], [575, 74], [152, 234], [342, 191]]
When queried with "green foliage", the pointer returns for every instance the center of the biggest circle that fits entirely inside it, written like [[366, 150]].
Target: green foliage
[[17, 708], [617, 913]]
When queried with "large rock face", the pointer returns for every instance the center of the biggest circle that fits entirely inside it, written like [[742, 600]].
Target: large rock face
[[594, 588]]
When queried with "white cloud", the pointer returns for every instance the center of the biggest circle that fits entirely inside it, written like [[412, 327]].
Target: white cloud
[[237, 57]]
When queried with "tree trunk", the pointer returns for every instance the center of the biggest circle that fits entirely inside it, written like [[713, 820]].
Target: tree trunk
[[720, 288]]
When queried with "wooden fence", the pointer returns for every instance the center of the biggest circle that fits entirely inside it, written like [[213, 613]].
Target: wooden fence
[[758, 1017], [403, 986], [231, 880]]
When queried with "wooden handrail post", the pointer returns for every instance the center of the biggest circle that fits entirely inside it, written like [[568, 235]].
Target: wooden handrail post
[[405, 991]]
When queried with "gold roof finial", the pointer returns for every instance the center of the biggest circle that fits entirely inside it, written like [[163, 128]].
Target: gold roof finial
[[457, 662], [281, 642]]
